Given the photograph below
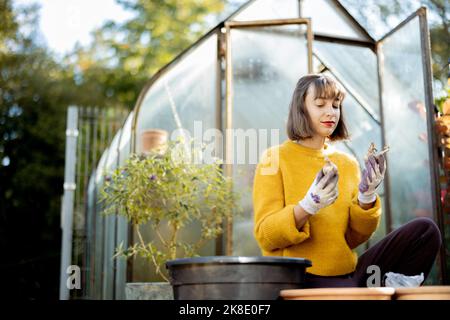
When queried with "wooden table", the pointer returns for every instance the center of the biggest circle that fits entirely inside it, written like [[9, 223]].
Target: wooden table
[[376, 293]]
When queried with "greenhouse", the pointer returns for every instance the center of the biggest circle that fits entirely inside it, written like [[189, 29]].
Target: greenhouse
[[240, 75]]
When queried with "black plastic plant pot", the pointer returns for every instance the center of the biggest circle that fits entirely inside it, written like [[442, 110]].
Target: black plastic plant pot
[[235, 278]]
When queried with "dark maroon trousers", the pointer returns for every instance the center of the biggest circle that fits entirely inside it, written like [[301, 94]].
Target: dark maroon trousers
[[409, 250]]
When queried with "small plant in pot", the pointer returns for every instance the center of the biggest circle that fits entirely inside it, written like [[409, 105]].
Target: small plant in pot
[[167, 191]]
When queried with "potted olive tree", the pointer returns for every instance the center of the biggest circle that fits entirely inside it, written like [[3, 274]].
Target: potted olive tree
[[166, 190]]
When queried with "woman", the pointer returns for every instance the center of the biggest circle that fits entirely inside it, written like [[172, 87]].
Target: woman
[[302, 212]]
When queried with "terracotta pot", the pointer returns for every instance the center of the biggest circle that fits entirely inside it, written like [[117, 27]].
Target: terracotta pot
[[153, 138], [376, 293], [423, 293]]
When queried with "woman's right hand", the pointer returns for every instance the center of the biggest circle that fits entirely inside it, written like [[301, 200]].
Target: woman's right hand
[[322, 193]]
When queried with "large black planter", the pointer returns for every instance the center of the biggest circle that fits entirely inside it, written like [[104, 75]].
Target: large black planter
[[235, 278]]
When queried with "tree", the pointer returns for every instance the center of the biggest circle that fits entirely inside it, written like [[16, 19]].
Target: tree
[[35, 91], [124, 56]]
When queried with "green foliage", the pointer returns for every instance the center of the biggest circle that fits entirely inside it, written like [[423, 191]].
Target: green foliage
[[167, 188], [9, 24], [124, 56], [35, 89], [33, 99]]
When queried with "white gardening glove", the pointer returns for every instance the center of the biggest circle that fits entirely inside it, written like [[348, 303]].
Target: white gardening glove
[[373, 175], [322, 193]]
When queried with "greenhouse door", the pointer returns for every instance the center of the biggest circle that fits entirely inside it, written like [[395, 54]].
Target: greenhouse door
[[259, 86], [412, 184]]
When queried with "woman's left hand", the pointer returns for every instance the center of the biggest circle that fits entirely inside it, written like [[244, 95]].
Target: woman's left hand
[[372, 176]]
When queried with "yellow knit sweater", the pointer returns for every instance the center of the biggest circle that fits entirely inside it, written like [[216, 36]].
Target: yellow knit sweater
[[282, 178]]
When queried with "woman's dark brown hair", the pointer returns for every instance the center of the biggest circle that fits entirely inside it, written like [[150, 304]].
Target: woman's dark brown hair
[[298, 124]]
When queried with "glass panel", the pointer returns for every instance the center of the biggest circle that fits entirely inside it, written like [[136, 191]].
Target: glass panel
[[363, 130], [90, 256], [328, 19], [101, 167], [122, 224], [110, 225], [125, 140], [121, 263], [108, 263], [406, 125], [263, 82], [186, 93], [184, 97], [318, 66], [111, 161], [99, 229], [362, 127], [405, 116], [269, 10], [356, 68]]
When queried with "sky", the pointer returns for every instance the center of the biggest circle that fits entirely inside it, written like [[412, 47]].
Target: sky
[[64, 22]]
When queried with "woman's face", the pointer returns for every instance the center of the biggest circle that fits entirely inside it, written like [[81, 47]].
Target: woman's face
[[323, 113]]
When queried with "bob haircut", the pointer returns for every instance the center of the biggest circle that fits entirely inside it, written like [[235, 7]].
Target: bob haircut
[[298, 125]]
